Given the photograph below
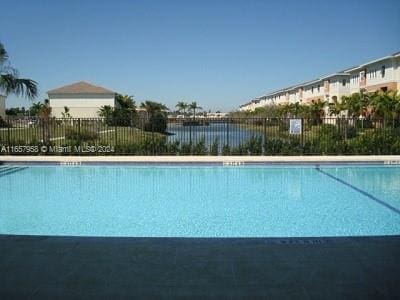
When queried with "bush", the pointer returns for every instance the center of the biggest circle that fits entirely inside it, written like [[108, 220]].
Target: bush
[[377, 141], [240, 150], [156, 123], [83, 135], [3, 124], [186, 149], [278, 146], [121, 117], [214, 149], [254, 145], [147, 146], [172, 148], [200, 148], [226, 150]]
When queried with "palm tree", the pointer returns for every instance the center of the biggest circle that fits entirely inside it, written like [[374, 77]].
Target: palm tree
[[383, 105], [152, 107], [295, 109], [193, 106], [336, 107], [106, 112], [182, 106], [357, 104], [35, 109], [9, 81], [126, 102], [317, 111]]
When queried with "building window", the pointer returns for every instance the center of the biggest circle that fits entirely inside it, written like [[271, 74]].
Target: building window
[[383, 71], [312, 90], [318, 87], [344, 82]]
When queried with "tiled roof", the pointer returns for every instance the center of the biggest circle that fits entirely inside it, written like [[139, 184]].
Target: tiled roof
[[81, 87]]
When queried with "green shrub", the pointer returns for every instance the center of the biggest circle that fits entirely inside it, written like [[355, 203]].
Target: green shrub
[[226, 150], [240, 150], [172, 148], [214, 149], [147, 146], [83, 134], [200, 148], [254, 145], [377, 141], [186, 148], [156, 123], [278, 146]]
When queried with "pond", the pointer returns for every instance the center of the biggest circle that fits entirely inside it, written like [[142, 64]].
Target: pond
[[224, 132]]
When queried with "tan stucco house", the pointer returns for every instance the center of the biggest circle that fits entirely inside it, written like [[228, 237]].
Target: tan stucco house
[[82, 98]]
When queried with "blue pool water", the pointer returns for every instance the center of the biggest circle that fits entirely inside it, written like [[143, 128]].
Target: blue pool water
[[200, 201]]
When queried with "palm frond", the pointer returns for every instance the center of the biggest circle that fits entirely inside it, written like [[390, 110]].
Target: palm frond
[[10, 84]]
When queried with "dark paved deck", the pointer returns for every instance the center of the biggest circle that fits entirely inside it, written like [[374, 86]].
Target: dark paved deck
[[62, 267]]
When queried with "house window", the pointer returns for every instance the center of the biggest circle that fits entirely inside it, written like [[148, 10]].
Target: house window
[[318, 87], [383, 71], [344, 82], [312, 90]]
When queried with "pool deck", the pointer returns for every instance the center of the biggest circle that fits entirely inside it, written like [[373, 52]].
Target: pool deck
[[389, 159], [37, 267]]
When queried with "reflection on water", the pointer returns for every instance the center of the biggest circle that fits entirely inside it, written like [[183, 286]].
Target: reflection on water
[[226, 133]]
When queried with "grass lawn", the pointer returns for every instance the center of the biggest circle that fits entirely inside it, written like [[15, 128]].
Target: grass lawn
[[106, 135]]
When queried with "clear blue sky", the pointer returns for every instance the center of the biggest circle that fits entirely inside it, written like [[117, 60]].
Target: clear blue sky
[[219, 53]]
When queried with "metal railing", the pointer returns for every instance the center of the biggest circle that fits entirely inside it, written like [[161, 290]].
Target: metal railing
[[205, 136]]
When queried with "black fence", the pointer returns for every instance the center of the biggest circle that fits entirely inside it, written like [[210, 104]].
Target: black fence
[[200, 136]]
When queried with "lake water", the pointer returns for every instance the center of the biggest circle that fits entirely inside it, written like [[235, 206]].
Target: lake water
[[226, 133]]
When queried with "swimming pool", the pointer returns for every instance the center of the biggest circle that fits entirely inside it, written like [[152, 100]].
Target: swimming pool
[[200, 201]]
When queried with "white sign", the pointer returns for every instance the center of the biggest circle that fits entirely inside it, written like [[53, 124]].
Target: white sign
[[295, 126]]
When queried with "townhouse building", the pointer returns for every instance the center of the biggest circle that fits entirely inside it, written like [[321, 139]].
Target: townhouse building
[[381, 74]]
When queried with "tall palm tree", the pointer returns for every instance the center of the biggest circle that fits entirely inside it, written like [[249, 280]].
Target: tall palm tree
[[193, 106], [10, 83], [182, 107]]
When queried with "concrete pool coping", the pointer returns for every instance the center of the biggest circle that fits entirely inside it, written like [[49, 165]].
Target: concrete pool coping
[[51, 267], [233, 160]]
